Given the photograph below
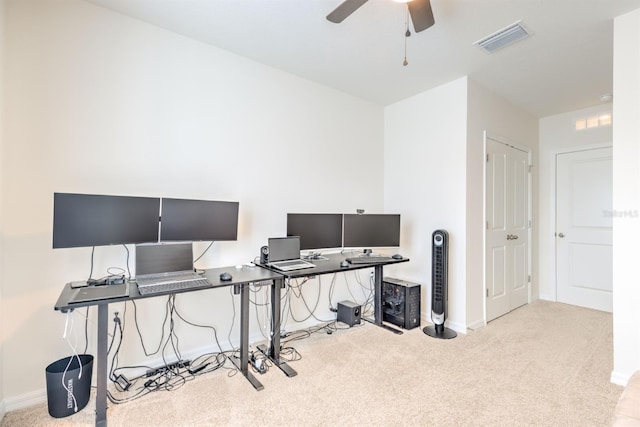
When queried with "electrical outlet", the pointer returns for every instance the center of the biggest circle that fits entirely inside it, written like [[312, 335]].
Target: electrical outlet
[[372, 275]]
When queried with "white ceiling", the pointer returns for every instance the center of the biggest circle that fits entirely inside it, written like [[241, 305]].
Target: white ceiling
[[566, 65]]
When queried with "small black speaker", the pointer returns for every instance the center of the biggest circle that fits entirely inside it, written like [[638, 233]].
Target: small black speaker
[[349, 313], [439, 278], [264, 255]]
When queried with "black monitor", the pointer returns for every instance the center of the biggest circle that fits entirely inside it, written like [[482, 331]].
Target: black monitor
[[371, 231], [81, 220], [316, 231], [196, 220]]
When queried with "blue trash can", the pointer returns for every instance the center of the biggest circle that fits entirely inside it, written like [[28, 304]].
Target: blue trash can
[[69, 385]]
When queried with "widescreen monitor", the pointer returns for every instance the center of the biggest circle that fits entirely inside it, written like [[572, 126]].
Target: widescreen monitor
[[316, 231], [198, 220], [81, 220], [371, 230]]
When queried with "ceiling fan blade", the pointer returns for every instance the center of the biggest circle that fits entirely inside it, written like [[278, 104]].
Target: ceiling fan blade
[[421, 14], [344, 10]]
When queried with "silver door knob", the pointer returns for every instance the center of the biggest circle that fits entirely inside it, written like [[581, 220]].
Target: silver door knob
[[514, 236], [561, 235]]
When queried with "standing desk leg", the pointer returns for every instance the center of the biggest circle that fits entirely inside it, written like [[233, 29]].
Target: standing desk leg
[[377, 300], [242, 363], [101, 372], [273, 352]]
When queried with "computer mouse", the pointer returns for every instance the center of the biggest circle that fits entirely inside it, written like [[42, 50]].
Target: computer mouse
[[344, 263], [397, 256], [225, 277]]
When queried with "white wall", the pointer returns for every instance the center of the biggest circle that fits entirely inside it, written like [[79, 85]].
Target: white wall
[[2, 41], [492, 113], [434, 171], [558, 135], [425, 181], [101, 103], [626, 196]]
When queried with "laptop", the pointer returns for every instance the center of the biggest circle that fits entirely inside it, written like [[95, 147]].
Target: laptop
[[284, 254], [166, 267]]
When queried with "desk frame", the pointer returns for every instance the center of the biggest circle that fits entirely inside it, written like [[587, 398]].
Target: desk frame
[[242, 362], [330, 265], [273, 351], [241, 282]]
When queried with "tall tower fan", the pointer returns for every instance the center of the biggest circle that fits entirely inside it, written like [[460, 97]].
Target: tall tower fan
[[440, 247]]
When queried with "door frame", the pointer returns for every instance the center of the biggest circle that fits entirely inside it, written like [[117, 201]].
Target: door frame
[[553, 212], [489, 135]]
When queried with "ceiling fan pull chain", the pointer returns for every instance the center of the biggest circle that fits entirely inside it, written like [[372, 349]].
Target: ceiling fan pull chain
[[407, 34]]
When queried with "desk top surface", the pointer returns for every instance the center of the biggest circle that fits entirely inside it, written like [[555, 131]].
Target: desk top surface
[[243, 275], [332, 265]]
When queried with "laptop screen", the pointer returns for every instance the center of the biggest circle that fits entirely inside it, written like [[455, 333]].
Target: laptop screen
[[284, 248], [163, 258]]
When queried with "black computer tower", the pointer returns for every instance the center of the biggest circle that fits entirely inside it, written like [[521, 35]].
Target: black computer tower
[[401, 303]]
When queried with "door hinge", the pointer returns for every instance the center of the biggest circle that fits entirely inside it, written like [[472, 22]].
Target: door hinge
[[530, 168], [487, 292], [487, 157], [487, 224], [529, 278], [529, 223]]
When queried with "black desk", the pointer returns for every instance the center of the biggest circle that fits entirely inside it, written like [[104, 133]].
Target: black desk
[[322, 266], [241, 280]]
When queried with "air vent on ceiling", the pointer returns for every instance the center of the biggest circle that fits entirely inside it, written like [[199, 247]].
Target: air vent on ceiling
[[503, 38]]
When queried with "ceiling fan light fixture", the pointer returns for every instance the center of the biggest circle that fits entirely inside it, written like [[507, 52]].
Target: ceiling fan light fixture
[[504, 37], [420, 11]]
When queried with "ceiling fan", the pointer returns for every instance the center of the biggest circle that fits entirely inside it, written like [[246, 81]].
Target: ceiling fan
[[420, 11]]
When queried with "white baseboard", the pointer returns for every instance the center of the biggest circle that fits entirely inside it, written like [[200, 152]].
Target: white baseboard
[[191, 354], [458, 327], [619, 378], [25, 400], [478, 324], [547, 297], [37, 397]]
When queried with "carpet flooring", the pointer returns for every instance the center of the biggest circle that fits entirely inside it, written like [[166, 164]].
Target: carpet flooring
[[544, 364]]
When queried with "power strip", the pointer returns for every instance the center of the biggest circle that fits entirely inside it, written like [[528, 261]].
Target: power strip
[[176, 365]]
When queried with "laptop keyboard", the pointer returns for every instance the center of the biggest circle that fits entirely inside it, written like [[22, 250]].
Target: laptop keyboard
[[173, 286], [290, 263]]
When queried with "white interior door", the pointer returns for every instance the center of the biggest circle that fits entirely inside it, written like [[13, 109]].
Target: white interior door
[[507, 229], [584, 272]]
